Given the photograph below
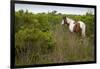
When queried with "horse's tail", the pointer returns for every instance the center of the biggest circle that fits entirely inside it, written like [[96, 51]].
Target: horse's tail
[[83, 30]]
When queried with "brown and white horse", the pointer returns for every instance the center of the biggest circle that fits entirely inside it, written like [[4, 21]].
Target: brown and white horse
[[74, 26]]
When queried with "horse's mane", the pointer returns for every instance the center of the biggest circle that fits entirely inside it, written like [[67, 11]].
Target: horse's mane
[[69, 19]]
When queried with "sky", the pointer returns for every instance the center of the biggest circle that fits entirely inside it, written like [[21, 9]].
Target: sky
[[46, 8]]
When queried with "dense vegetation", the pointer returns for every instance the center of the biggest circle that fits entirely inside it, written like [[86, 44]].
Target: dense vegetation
[[40, 39]]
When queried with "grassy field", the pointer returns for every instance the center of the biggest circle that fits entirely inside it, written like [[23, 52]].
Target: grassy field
[[41, 39]]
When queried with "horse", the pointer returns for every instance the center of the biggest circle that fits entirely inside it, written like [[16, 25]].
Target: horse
[[75, 26]]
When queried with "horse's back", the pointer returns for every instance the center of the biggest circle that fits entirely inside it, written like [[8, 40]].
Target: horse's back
[[82, 24]]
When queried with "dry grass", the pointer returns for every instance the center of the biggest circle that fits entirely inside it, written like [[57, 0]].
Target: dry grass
[[70, 47]]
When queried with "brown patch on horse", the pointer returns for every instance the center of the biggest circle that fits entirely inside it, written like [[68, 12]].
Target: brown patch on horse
[[77, 27]]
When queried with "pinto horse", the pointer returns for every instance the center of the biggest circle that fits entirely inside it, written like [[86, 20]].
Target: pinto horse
[[74, 26]]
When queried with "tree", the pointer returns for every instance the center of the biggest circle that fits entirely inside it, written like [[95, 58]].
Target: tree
[[89, 12]]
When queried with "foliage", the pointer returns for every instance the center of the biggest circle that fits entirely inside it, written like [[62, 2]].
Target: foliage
[[40, 38]]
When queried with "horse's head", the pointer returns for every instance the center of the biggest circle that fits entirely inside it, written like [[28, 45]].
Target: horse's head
[[64, 20]]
